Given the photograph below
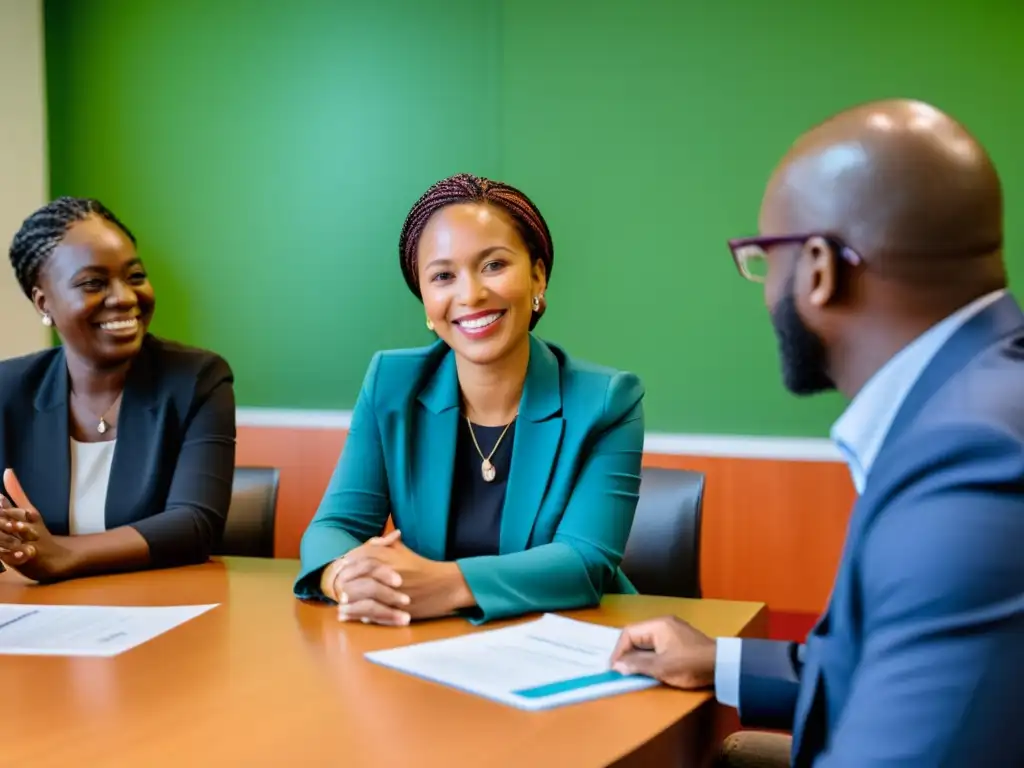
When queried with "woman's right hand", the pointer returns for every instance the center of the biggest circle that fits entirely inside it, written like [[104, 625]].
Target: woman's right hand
[[366, 589]]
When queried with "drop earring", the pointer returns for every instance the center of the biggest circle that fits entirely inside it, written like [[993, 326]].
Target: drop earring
[[430, 325], [47, 321]]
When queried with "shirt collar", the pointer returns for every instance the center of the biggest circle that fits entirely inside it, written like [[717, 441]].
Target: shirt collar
[[861, 430]]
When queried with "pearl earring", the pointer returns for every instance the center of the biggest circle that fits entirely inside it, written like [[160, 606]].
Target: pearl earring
[[536, 303], [430, 325], [47, 321]]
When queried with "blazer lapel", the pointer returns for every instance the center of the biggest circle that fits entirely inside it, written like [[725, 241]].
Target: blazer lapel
[[433, 465], [137, 429], [981, 331], [48, 486], [535, 450]]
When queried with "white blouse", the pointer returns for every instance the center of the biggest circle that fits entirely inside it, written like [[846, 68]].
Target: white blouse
[[90, 474]]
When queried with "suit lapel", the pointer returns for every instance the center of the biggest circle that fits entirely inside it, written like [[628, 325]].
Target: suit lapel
[[48, 484], [981, 331], [976, 335], [433, 444], [535, 450], [137, 429]]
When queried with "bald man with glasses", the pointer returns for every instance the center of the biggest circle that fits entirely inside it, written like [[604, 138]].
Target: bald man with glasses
[[880, 256]]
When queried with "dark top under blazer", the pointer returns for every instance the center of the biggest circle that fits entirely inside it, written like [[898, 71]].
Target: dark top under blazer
[[174, 461], [474, 524]]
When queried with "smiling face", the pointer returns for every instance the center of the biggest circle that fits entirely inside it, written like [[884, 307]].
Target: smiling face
[[478, 281], [95, 289]]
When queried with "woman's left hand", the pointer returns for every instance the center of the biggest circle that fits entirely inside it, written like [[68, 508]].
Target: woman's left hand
[[433, 588], [14, 552], [44, 557]]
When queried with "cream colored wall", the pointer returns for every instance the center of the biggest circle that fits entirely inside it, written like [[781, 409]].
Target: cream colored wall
[[23, 170]]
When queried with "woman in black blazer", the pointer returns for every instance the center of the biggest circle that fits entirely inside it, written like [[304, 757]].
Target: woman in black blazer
[[118, 447]]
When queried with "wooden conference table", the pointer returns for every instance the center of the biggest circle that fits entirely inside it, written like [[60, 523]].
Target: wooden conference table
[[266, 680]]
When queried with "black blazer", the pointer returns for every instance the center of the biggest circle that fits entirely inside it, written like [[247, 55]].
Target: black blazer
[[174, 461]]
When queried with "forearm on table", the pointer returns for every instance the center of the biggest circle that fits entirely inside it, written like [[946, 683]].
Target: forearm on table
[[454, 585], [119, 549], [550, 577]]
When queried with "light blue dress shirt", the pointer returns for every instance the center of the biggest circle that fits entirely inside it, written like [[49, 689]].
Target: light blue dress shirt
[[859, 434]]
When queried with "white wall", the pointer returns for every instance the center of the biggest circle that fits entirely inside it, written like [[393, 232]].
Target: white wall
[[23, 170]]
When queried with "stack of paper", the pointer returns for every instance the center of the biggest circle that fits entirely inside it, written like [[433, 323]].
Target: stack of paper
[[86, 630], [536, 665]]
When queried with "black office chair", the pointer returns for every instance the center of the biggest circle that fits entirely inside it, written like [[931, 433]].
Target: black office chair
[[663, 551], [249, 531]]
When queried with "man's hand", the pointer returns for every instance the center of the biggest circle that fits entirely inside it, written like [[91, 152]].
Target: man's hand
[[669, 650]]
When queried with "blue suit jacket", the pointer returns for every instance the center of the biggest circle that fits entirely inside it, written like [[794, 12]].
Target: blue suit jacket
[[918, 659], [571, 494]]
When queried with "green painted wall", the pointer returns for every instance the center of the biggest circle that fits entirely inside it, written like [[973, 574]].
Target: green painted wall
[[266, 154]]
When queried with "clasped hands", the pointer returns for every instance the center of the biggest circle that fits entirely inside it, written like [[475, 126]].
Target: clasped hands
[[385, 582], [25, 543]]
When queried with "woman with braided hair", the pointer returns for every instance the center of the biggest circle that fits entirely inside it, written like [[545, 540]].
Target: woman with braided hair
[[118, 448], [511, 470]]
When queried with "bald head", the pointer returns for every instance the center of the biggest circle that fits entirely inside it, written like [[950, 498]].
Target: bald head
[[899, 181]]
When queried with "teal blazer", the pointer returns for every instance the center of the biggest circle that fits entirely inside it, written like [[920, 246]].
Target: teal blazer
[[570, 499]]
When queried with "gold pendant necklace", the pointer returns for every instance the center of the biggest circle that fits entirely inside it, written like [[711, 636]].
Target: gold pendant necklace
[[487, 470], [103, 426]]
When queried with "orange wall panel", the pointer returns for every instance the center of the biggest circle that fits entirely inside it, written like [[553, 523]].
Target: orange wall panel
[[772, 529], [306, 459]]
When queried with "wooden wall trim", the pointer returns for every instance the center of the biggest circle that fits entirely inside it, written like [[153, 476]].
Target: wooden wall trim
[[731, 446]]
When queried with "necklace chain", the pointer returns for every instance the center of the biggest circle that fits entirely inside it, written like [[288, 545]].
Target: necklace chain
[[487, 470], [102, 426]]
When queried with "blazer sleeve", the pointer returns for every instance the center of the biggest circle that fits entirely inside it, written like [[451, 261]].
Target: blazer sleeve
[[942, 577], [356, 505], [200, 492], [769, 683], [575, 568]]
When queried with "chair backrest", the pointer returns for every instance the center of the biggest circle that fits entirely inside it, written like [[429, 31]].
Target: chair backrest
[[249, 531], [663, 551]]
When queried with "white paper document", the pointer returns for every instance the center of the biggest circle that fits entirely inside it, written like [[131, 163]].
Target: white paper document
[[536, 665], [86, 630]]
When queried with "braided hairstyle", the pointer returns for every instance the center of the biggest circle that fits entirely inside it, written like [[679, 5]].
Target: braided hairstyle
[[42, 232], [467, 188]]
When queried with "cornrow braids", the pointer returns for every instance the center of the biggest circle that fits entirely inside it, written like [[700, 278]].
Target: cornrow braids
[[42, 232], [467, 188]]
